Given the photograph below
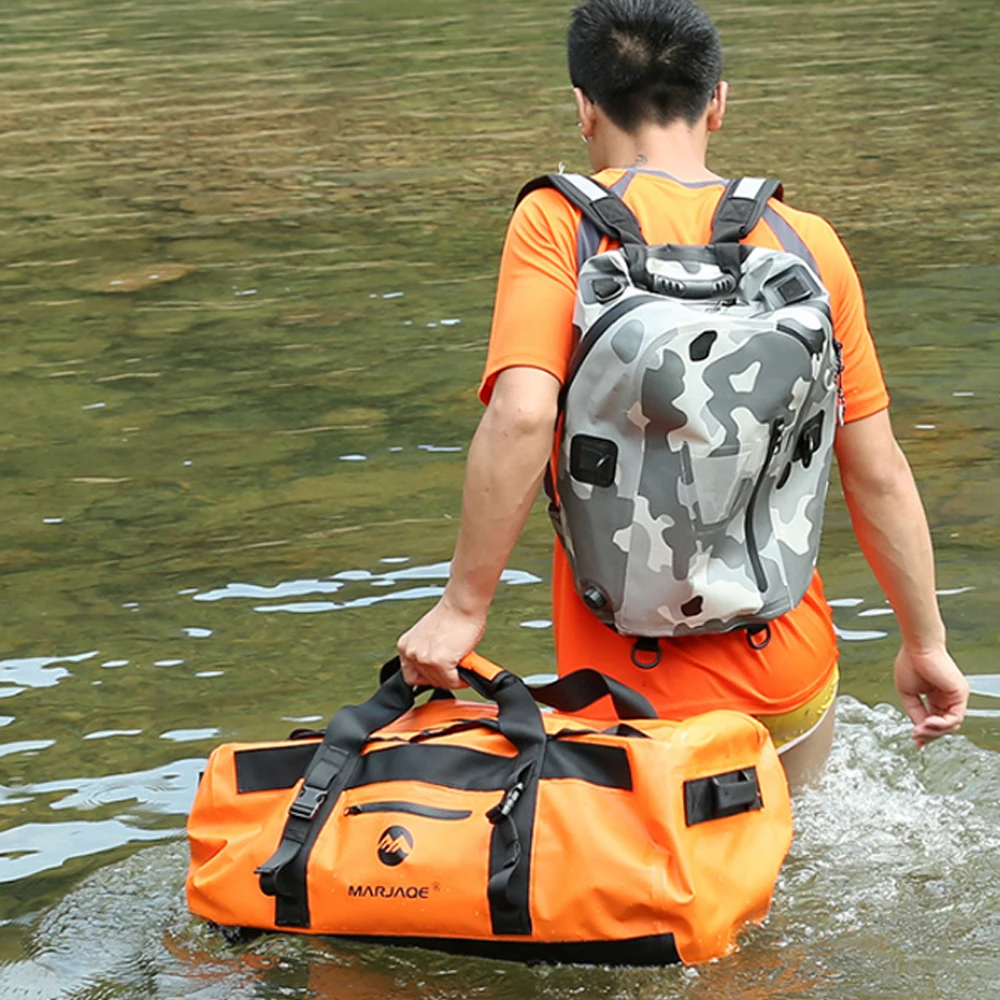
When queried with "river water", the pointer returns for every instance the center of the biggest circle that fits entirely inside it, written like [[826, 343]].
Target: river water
[[247, 260]]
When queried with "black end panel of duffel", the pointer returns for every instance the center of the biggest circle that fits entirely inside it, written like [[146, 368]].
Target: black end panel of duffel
[[656, 949]]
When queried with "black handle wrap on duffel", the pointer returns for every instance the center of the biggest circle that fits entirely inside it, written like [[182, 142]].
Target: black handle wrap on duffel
[[283, 875]]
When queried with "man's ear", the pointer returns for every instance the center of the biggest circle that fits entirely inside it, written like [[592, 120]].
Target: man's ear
[[717, 107], [587, 111]]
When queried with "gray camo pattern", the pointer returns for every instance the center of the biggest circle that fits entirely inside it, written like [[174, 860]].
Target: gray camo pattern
[[708, 501]]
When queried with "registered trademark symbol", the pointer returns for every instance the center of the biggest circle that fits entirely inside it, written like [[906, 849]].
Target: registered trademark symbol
[[436, 886]]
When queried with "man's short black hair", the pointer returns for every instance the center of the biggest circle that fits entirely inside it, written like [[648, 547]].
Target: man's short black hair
[[642, 61]]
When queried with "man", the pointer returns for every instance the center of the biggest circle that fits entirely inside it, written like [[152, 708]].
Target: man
[[647, 80]]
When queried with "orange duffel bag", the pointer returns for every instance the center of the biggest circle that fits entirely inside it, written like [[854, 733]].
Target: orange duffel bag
[[499, 829]]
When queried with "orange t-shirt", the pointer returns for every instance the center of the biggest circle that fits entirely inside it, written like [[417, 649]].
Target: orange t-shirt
[[532, 326]]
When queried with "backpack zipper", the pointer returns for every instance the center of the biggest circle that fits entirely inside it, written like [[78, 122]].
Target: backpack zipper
[[751, 534], [413, 808]]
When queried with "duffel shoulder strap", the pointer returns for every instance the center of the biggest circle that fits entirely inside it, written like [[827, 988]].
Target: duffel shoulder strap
[[741, 207], [581, 688], [600, 205]]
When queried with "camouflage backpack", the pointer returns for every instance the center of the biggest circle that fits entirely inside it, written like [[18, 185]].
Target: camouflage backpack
[[697, 424]]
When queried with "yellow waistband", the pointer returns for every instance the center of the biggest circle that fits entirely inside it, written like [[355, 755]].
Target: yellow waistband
[[792, 725]]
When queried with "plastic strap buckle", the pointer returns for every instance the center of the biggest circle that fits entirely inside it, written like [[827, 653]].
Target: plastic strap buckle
[[308, 803]]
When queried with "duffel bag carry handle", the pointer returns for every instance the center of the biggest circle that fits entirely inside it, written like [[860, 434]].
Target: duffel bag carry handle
[[517, 717], [518, 720], [581, 688], [571, 693]]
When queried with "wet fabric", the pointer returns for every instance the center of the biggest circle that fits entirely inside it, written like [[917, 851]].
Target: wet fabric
[[790, 728]]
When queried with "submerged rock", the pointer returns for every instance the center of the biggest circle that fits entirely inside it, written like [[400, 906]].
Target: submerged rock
[[139, 278]]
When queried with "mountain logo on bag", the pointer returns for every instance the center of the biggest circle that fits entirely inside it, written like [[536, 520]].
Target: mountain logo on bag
[[394, 846]]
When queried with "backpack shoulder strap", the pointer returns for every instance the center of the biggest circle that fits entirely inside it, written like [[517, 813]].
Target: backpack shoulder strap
[[741, 207], [600, 206]]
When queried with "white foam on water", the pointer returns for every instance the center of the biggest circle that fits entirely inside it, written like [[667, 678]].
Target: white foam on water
[[891, 887], [190, 735], [858, 635], [39, 671], [105, 734], [303, 588]]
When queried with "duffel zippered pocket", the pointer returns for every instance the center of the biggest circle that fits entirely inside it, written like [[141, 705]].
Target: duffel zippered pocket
[[409, 866], [412, 808]]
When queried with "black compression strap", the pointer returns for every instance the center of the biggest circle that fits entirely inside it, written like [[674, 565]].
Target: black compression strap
[[337, 758], [600, 205], [741, 207], [581, 688], [283, 875]]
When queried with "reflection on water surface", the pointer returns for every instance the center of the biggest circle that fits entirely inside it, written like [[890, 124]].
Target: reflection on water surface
[[246, 277]]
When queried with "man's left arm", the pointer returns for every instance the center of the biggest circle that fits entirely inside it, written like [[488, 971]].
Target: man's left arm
[[891, 527]]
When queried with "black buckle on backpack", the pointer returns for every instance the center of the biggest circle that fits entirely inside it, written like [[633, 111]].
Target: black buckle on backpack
[[810, 439]]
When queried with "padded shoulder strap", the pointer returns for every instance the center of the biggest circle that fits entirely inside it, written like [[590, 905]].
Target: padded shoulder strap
[[601, 206], [741, 207]]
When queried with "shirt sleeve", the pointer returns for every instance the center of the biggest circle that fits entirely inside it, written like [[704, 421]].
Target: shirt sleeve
[[864, 386], [536, 290]]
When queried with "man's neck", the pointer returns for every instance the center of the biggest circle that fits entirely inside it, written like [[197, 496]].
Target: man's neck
[[676, 149]]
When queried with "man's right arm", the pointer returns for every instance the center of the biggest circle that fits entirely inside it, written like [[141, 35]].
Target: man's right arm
[[506, 463]]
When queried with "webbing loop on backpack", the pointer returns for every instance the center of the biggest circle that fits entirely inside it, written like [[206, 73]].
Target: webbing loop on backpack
[[759, 636], [646, 652]]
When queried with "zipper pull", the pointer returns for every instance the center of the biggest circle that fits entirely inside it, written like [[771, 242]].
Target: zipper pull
[[506, 805], [838, 350], [777, 430]]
